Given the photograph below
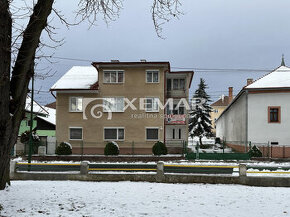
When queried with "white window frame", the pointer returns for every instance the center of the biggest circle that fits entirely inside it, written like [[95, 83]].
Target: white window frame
[[69, 104], [153, 100], [114, 128], [153, 128], [116, 72], [116, 97], [75, 128], [152, 70]]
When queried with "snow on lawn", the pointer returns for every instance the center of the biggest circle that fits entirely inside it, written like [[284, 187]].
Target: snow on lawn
[[68, 198]]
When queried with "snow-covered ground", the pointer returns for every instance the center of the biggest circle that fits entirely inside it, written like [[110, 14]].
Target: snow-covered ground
[[68, 198]]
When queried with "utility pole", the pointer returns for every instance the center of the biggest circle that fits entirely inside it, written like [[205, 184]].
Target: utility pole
[[31, 124]]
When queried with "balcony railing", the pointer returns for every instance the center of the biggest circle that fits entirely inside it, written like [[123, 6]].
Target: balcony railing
[[178, 143], [175, 119], [176, 93]]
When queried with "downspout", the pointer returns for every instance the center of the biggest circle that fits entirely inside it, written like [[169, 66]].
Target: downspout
[[247, 116], [52, 94], [164, 122]]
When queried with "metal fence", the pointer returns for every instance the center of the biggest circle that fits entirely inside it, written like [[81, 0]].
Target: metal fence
[[178, 147], [268, 150]]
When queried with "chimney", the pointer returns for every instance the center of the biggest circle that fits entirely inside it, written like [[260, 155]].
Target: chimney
[[230, 94], [115, 61], [249, 81]]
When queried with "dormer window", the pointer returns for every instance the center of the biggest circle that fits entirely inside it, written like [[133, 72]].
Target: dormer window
[[113, 76]]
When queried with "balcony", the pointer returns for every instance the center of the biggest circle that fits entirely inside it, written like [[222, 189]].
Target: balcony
[[176, 93], [175, 119]]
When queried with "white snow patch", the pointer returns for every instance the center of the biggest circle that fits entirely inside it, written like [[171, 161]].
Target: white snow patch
[[69, 198], [278, 78], [78, 77]]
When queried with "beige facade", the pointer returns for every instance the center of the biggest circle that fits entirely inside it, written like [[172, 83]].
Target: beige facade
[[132, 122], [218, 107]]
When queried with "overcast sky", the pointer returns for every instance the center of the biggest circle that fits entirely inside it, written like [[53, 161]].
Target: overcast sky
[[215, 34]]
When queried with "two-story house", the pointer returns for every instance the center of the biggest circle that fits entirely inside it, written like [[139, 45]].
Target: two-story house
[[121, 102]]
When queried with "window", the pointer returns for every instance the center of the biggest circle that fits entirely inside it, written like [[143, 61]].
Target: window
[[76, 104], [176, 84], [115, 76], [168, 84], [274, 114], [115, 104], [151, 104], [114, 133], [152, 76], [75, 133], [152, 134], [176, 111]]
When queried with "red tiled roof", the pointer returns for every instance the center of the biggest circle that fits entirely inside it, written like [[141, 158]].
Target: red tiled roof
[[222, 102], [51, 105]]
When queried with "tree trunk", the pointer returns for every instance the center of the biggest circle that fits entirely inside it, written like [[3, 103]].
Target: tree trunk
[[5, 119], [15, 91], [200, 141]]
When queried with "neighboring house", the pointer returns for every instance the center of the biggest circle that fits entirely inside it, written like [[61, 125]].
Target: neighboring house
[[218, 107], [85, 94], [260, 114], [43, 122], [51, 105]]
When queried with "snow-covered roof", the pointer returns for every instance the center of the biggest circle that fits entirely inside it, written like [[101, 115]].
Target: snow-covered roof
[[278, 78], [36, 107], [50, 117], [78, 77]]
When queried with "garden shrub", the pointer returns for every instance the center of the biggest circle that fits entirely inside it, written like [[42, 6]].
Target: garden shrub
[[111, 148], [159, 148], [255, 152], [64, 148]]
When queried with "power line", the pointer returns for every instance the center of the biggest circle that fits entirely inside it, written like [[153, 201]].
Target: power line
[[196, 69]]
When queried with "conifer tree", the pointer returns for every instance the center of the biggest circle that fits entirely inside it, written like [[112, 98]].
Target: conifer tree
[[199, 120]]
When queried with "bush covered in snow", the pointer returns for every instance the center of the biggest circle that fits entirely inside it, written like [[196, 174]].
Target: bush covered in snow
[[159, 148], [63, 148], [111, 148], [255, 152]]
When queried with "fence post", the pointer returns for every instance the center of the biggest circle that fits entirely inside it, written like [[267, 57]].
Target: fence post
[[160, 171], [82, 149], [243, 170], [84, 168], [12, 168]]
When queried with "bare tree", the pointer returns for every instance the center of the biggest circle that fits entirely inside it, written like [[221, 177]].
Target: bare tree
[[19, 46]]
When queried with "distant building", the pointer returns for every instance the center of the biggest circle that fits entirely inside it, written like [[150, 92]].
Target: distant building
[[260, 114], [43, 123], [219, 106]]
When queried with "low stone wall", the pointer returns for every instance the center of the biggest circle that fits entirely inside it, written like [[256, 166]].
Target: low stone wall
[[168, 178], [159, 177]]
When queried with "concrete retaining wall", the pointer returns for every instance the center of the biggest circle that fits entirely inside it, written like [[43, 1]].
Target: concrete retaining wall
[[159, 176], [168, 178]]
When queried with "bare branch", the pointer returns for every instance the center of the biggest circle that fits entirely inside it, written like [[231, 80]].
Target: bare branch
[[91, 9], [163, 11]]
